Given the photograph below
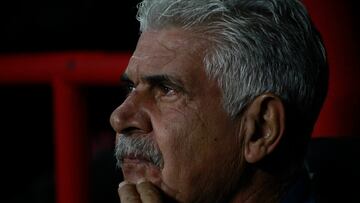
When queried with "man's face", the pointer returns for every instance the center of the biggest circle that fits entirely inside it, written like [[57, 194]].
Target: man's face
[[179, 109]]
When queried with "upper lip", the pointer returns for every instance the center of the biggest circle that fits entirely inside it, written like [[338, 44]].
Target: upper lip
[[138, 157]]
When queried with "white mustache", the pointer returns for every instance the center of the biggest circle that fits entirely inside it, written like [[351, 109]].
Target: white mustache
[[138, 146]]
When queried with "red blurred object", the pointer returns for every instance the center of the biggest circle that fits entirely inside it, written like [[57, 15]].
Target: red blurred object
[[67, 71], [78, 68], [337, 22], [72, 148]]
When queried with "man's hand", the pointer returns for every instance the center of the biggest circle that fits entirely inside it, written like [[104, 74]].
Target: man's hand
[[143, 192]]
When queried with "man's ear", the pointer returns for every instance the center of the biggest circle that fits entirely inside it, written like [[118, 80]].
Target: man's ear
[[263, 126]]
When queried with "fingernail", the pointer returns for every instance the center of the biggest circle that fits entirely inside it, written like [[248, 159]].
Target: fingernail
[[141, 180], [123, 183]]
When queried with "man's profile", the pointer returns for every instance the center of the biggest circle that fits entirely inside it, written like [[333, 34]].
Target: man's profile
[[223, 96]]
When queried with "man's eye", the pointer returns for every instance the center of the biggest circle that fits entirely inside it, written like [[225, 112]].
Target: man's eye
[[129, 88], [167, 90]]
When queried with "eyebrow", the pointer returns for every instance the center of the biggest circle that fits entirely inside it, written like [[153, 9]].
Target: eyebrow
[[125, 78]]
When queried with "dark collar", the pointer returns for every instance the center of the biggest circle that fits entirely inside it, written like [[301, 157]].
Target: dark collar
[[299, 191]]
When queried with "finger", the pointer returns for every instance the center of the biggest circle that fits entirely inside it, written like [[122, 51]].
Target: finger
[[148, 192], [128, 193]]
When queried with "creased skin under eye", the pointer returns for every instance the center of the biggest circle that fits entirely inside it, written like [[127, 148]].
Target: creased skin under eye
[[164, 93]]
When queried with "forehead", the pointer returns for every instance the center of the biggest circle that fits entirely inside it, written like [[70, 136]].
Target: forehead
[[165, 52]]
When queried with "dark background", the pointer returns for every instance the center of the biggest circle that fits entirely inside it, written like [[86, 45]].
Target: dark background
[[26, 118], [39, 26], [56, 25]]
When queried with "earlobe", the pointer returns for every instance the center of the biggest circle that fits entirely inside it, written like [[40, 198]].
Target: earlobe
[[264, 123]]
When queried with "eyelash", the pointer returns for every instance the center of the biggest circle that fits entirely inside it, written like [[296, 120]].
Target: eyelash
[[129, 87], [165, 89]]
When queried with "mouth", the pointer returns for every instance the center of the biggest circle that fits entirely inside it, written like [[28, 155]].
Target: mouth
[[136, 168], [139, 158], [141, 149], [136, 159]]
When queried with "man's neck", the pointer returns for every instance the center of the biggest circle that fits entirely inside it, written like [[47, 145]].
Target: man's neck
[[264, 187]]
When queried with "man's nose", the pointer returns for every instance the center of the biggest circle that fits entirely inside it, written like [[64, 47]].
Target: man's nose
[[132, 116]]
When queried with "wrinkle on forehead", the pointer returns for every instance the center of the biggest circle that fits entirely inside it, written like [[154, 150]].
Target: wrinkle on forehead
[[156, 44], [157, 49], [180, 40], [152, 51]]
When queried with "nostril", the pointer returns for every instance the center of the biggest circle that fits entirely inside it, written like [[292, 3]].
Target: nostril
[[129, 130]]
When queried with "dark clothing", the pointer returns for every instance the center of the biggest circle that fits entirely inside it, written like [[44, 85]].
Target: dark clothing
[[299, 191]]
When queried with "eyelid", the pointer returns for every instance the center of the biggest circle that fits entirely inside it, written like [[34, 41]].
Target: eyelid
[[167, 86], [128, 86]]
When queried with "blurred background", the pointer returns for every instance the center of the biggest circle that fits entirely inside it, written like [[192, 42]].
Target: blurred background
[[60, 63]]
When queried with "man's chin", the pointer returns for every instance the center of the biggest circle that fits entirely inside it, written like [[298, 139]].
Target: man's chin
[[135, 170]]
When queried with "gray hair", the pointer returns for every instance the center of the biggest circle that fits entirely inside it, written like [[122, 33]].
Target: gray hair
[[255, 47]]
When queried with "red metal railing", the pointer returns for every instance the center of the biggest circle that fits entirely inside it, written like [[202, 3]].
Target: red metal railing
[[66, 72]]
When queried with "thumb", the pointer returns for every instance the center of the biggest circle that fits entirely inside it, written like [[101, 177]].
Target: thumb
[[149, 193], [128, 193]]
